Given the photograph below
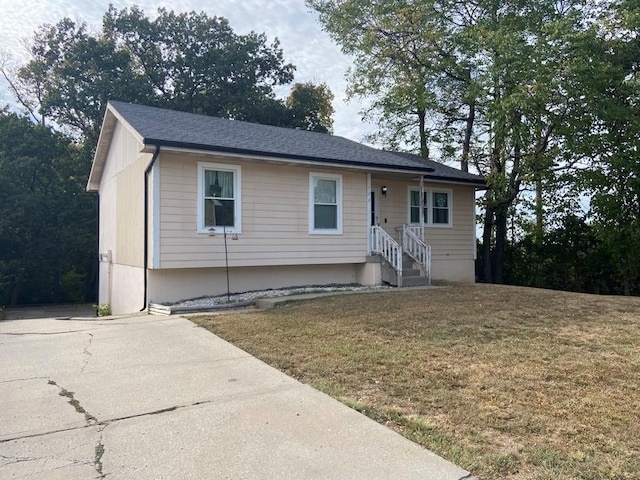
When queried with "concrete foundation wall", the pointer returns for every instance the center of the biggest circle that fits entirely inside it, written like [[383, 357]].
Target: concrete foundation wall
[[171, 285], [369, 273], [458, 270], [127, 288]]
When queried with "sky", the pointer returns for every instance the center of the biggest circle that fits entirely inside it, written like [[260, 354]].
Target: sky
[[303, 42]]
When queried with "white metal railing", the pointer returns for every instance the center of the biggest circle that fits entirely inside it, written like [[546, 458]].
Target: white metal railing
[[415, 247], [381, 242]]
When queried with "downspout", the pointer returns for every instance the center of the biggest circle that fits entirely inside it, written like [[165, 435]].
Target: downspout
[[98, 251], [146, 226]]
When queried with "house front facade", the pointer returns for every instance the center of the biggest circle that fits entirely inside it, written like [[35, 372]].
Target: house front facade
[[183, 196]]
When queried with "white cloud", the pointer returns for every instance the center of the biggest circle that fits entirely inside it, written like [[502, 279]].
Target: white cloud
[[304, 43]]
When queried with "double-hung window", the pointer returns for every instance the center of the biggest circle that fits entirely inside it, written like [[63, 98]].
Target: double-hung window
[[436, 207], [440, 208], [219, 201], [325, 203], [414, 206]]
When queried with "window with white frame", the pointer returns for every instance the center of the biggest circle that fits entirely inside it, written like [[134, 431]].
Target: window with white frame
[[219, 198], [440, 208], [325, 203], [436, 207]]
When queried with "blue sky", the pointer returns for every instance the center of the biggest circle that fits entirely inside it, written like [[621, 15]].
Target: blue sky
[[304, 43]]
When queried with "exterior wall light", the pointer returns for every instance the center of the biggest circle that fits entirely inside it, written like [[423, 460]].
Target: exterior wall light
[[384, 190]]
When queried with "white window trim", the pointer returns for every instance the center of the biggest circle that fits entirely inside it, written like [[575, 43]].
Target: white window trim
[[325, 176], [237, 204], [430, 191]]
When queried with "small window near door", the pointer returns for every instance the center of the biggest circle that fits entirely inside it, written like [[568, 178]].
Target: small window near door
[[440, 208], [437, 207], [414, 207]]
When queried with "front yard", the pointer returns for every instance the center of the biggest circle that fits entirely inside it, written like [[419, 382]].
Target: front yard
[[507, 382]]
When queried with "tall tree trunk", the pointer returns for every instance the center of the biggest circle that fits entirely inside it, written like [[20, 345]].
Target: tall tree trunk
[[501, 243], [539, 210], [15, 291], [424, 149], [487, 235], [466, 144]]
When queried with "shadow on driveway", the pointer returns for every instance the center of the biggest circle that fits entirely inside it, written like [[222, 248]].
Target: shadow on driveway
[[50, 311]]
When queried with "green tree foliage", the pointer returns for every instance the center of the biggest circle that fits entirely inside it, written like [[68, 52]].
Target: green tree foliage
[[74, 75], [614, 179], [515, 88], [185, 61], [572, 256], [199, 64], [310, 106], [47, 221]]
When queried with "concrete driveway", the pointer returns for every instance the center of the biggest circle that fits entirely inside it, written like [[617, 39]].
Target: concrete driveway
[[160, 398]]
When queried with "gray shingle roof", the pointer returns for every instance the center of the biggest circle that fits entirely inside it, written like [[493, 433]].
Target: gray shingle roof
[[172, 128], [442, 171]]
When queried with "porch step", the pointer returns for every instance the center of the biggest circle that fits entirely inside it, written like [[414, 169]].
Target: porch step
[[414, 281], [410, 271], [407, 262], [412, 276]]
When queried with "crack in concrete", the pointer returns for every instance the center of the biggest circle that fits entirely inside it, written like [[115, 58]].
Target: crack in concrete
[[155, 412], [21, 334], [42, 434], [23, 379], [102, 423], [90, 419], [99, 452], [10, 460], [87, 353], [13, 459]]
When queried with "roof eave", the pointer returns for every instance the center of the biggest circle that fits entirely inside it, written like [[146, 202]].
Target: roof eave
[[480, 184], [240, 151], [100, 156]]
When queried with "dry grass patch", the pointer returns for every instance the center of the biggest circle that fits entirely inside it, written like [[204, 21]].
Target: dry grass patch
[[506, 382]]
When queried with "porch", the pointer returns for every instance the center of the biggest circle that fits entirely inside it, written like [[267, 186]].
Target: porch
[[406, 263]]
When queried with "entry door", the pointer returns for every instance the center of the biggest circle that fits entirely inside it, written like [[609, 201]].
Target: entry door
[[373, 207]]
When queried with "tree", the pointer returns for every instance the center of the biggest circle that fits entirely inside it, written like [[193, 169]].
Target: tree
[[185, 61], [198, 63], [310, 107], [503, 82], [75, 74], [614, 178], [47, 221], [390, 62]]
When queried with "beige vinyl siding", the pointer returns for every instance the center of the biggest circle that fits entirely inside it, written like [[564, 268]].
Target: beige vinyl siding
[[275, 217], [454, 242], [121, 222], [130, 214], [121, 198], [124, 149]]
